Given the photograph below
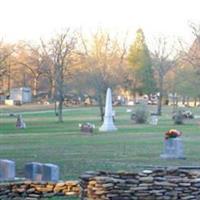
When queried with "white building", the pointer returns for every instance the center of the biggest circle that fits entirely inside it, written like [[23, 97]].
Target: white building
[[23, 94]]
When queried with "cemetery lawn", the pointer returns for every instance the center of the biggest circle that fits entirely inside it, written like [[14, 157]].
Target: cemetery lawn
[[132, 148]]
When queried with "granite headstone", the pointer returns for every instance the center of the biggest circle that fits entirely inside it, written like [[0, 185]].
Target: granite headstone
[[173, 149], [50, 172], [33, 171], [20, 122], [7, 169]]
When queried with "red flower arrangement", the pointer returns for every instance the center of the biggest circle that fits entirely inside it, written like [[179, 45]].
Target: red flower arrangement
[[172, 133]]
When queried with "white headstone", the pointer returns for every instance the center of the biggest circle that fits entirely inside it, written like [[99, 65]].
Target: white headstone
[[154, 120], [108, 124], [129, 110]]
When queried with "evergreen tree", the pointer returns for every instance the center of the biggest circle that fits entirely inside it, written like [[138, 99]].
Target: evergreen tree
[[141, 66]]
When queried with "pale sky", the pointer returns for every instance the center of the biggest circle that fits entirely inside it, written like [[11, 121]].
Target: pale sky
[[32, 19]]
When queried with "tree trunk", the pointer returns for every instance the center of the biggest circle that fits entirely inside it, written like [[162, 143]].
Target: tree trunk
[[60, 115], [183, 100], [174, 102], [134, 94], [188, 101], [195, 102], [134, 98], [24, 79], [9, 78], [101, 108], [59, 90], [159, 108], [35, 86], [55, 108], [51, 90]]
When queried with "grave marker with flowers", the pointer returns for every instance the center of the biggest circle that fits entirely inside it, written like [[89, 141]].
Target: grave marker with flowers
[[173, 146], [87, 127]]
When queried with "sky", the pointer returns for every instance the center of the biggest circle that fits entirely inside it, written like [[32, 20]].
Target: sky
[[32, 19]]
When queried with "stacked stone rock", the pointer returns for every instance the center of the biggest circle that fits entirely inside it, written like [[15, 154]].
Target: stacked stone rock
[[165, 184], [32, 190]]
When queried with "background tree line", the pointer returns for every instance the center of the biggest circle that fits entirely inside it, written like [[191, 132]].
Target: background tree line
[[72, 62]]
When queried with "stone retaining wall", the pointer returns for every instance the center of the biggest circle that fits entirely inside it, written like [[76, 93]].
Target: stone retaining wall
[[33, 190], [157, 184], [166, 184]]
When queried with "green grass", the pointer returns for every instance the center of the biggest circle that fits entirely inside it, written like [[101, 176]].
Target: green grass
[[133, 147]]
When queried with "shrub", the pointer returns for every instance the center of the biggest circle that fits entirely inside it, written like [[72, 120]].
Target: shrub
[[178, 117], [188, 114], [140, 116]]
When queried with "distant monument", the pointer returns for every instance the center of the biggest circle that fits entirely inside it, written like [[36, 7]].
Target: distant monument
[[108, 124]]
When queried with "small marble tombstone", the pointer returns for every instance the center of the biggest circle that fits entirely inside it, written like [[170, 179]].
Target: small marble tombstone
[[50, 172], [173, 149], [20, 122], [7, 169], [113, 115], [33, 171], [129, 110], [154, 120]]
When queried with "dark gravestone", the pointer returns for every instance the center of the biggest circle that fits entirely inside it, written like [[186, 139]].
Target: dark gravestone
[[50, 172], [7, 170], [87, 128], [33, 171], [20, 122]]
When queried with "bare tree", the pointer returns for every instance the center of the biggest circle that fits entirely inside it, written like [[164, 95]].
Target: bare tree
[[60, 49], [48, 68], [163, 61], [32, 60], [190, 66], [6, 52], [191, 56], [103, 60]]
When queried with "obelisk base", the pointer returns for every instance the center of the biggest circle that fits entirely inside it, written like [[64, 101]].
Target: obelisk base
[[107, 125]]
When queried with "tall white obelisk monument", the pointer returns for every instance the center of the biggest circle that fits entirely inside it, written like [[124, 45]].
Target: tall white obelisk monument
[[108, 124]]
